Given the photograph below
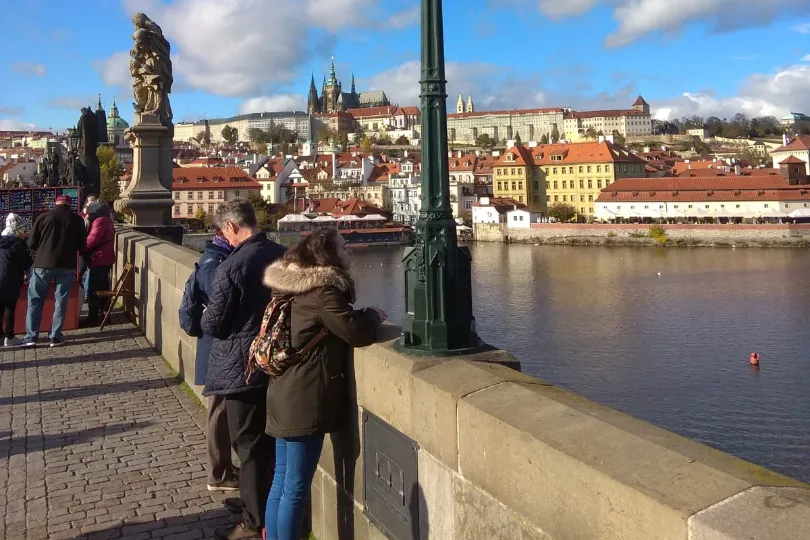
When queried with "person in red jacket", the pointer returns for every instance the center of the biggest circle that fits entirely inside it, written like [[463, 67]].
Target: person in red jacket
[[101, 257]]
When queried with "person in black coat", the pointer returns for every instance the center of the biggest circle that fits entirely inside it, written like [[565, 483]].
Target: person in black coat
[[222, 475], [233, 317], [15, 261]]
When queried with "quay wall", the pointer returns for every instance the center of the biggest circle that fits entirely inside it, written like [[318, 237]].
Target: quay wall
[[786, 235], [500, 455]]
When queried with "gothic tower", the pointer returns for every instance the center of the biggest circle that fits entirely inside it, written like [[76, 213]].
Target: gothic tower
[[460, 104], [470, 105], [101, 116], [313, 102], [332, 92]]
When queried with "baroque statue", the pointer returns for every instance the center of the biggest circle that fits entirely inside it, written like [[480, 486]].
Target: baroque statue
[[151, 68]]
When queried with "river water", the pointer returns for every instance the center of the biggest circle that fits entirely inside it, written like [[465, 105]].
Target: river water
[[669, 348]]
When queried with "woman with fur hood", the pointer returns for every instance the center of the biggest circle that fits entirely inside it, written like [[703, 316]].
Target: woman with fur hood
[[311, 398]]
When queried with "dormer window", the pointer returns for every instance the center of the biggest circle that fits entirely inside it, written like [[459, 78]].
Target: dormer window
[[200, 180]]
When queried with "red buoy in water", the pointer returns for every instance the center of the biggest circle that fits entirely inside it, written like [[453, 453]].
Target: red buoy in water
[[754, 359]]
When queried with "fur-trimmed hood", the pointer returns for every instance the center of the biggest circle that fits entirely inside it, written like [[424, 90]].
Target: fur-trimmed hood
[[289, 278]]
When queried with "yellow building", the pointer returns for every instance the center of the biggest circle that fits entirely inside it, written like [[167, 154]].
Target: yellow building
[[515, 177], [576, 173]]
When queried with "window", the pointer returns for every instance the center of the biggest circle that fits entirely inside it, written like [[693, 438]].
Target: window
[[514, 186], [199, 195], [564, 184], [555, 170], [520, 199], [598, 168], [589, 168], [581, 209], [467, 205], [176, 194], [582, 198], [706, 207], [580, 168], [177, 210], [520, 186], [590, 184], [599, 184], [565, 198], [590, 198], [676, 206], [556, 198], [548, 198], [555, 184], [513, 172], [786, 206], [521, 218], [548, 185], [570, 170], [500, 186], [690, 206], [236, 193], [210, 194], [735, 206], [220, 195], [582, 184], [190, 195], [210, 208], [766, 206]]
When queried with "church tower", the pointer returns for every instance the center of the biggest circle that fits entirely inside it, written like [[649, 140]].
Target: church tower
[[470, 105], [460, 104], [313, 102], [101, 116], [641, 105], [332, 91]]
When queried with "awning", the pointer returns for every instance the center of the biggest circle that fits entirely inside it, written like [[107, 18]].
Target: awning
[[294, 218], [800, 213]]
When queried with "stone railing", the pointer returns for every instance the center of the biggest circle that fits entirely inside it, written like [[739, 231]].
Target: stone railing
[[476, 450]]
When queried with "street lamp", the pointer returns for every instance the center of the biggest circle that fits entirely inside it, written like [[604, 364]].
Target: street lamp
[[72, 139], [438, 317]]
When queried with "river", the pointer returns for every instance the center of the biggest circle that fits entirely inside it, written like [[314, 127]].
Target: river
[[661, 334]]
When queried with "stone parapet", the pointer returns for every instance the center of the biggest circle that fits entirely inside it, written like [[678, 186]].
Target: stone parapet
[[502, 455]]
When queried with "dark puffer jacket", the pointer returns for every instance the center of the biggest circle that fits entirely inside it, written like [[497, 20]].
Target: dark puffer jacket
[[310, 398], [14, 263], [212, 257], [234, 314]]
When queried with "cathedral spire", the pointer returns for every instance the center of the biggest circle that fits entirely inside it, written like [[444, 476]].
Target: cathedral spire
[[353, 89], [98, 106], [460, 103], [332, 74]]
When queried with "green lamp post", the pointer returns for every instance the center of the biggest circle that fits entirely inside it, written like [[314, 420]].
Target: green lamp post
[[438, 317]]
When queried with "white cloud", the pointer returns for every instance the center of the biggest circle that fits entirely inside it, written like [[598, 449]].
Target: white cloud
[[114, 71], [7, 124], [761, 94], [803, 28], [243, 47], [11, 111], [404, 19], [29, 68], [636, 18], [806, 58], [280, 102]]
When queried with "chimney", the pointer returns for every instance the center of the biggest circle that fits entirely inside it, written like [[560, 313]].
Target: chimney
[[785, 139], [510, 143], [458, 154], [601, 138], [484, 201], [532, 144], [737, 170]]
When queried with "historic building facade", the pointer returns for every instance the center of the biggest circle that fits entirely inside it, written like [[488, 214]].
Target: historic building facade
[[333, 99]]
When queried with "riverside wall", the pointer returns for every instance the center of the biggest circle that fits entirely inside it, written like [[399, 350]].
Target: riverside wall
[[501, 455], [786, 235]]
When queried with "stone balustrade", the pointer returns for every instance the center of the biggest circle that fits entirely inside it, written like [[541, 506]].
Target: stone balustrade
[[501, 455]]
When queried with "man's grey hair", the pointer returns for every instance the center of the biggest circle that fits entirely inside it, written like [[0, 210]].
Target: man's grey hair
[[239, 212]]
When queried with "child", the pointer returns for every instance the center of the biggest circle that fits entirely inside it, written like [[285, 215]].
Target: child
[[15, 261]]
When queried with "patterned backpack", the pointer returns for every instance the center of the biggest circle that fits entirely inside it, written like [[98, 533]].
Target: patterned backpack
[[272, 351]]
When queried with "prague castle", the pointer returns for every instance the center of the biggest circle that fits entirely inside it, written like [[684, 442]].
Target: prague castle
[[333, 99]]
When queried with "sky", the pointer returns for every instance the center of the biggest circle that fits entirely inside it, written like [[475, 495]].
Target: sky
[[686, 57]]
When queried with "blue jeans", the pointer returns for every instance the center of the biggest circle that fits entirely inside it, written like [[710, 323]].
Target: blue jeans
[[296, 461], [37, 290]]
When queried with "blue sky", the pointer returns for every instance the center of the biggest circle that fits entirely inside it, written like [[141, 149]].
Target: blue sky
[[686, 57]]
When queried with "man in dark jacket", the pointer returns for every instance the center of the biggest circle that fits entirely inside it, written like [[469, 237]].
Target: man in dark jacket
[[234, 317], [57, 238], [222, 475]]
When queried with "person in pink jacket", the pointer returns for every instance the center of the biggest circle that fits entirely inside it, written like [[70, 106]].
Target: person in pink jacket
[[101, 257]]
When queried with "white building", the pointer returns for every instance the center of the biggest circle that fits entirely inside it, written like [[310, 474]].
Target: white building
[[798, 147], [493, 210], [530, 124], [522, 218], [405, 193], [634, 122], [297, 121]]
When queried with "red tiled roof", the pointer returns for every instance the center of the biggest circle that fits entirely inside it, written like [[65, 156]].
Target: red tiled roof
[[521, 156], [792, 159], [768, 180], [802, 142], [599, 114], [192, 178], [7, 167], [515, 112], [502, 204], [464, 163], [682, 166], [639, 101], [584, 152]]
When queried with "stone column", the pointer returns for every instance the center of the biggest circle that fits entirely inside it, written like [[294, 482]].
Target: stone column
[[149, 194]]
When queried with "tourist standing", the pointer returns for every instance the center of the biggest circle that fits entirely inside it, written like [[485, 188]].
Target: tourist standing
[[222, 475], [310, 399], [15, 261], [100, 255], [57, 238], [233, 317]]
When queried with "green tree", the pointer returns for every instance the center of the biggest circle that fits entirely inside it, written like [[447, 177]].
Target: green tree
[[326, 134], [263, 212], [110, 174], [600, 133], [555, 134], [344, 142], [562, 212], [618, 138], [384, 139], [230, 134], [366, 144], [544, 139], [199, 137], [590, 133], [403, 141], [484, 141], [517, 139], [201, 215], [256, 135]]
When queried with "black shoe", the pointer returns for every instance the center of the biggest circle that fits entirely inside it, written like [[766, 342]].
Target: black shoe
[[29, 342], [233, 504], [230, 484], [237, 532], [57, 342]]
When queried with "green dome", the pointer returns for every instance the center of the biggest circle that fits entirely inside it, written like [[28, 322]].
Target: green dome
[[116, 122]]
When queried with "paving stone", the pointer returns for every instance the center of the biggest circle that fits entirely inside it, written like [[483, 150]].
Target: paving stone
[[101, 443]]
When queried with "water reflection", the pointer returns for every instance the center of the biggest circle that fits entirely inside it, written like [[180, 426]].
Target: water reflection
[[670, 348]]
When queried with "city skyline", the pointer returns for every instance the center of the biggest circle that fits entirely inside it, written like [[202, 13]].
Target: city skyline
[[704, 59]]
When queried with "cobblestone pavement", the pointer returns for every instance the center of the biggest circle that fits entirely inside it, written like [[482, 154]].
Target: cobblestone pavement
[[99, 440]]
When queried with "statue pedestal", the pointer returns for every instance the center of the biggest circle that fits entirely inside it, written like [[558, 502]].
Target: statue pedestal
[[149, 195]]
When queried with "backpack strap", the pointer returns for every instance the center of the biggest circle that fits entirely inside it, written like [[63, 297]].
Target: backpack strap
[[314, 341]]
